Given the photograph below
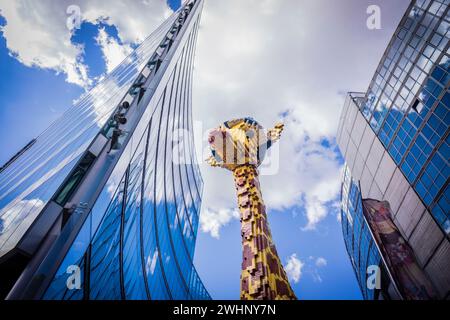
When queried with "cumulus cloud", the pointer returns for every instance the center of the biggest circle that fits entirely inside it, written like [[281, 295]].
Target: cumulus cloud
[[13, 220], [321, 262], [134, 20], [37, 35], [284, 60], [312, 267], [294, 268], [151, 262], [272, 60], [113, 52], [212, 220], [19, 212]]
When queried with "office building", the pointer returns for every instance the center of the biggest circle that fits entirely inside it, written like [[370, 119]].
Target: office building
[[395, 141], [105, 203]]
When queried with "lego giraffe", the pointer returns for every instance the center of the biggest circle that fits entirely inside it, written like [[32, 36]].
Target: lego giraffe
[[239, 146]]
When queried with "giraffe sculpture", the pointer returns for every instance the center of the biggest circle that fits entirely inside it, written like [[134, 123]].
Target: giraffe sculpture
[[239, 146]]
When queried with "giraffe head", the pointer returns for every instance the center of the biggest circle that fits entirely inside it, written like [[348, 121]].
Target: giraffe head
[[241, 142]]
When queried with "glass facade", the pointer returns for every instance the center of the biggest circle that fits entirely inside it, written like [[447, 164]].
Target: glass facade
[[29, 182], [408, 101], [135, 238], [358, 239], [395, 142]]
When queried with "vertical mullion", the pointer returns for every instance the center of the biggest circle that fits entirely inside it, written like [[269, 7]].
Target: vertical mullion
[[141, 212], [122, 227]]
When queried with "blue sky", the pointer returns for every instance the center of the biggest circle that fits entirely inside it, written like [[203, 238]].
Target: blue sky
[[32, 97]]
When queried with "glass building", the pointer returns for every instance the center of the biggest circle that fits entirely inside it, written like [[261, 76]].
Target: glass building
[[361, 245], [395, 141], [105, 203]]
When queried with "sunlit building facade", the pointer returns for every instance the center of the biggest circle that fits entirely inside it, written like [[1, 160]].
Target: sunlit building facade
[[395, 141], [105, 203]]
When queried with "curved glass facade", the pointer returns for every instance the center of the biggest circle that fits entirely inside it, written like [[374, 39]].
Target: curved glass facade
[[136, 238], [29, 182]]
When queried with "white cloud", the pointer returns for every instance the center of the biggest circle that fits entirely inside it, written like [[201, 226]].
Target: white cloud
[[277, 57], [15, 220], [37, 36], [151, 262], [211, 220], [113, 52], [313, 266], [19, 212], [293, 268], [134, 20], [36, 32], [321, 262]]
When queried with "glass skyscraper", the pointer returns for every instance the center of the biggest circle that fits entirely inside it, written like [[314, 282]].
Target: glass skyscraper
[[395, 141], [105, 203]]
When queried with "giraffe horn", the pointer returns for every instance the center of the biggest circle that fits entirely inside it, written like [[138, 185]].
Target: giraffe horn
[[274, 134]]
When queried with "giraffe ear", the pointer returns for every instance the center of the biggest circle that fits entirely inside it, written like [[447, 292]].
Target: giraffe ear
[[274, 134]]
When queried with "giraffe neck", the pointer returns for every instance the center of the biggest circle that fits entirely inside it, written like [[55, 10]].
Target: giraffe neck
[[262, 275]]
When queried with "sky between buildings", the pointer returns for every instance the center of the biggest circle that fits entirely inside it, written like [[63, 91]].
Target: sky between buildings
[[273, 60]]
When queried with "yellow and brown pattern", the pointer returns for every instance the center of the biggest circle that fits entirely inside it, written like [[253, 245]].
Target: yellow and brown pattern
[[239, 146]]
